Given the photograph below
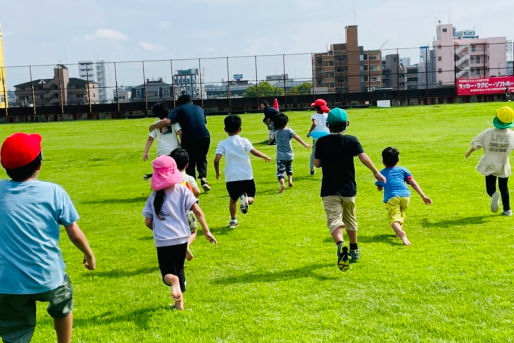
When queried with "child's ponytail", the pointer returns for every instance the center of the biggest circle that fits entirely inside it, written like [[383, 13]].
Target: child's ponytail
[[157, 203]]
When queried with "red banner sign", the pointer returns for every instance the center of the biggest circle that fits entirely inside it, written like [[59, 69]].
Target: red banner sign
[[486, 85]]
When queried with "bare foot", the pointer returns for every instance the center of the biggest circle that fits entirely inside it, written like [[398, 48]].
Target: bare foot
[[176, 292], [189, 255], [290, 184], [281, 189], [403, 237]]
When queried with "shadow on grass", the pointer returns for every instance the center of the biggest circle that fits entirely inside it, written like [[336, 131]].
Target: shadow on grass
[[218, 230], [141, 199], [297, 273], [264, 142], [116, 273], [381, 238], [457, 222], [139, 317]]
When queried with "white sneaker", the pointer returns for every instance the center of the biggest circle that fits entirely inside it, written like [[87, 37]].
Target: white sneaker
[[233, 223], [495, 202], [507, 213], [244, 203]]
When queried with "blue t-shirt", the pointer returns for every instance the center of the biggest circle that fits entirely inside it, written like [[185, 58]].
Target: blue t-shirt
[[284, 149], [30, 258], [395, 185]]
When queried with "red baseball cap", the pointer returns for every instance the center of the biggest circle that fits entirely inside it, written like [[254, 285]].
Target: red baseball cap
[[321, 103], [20, 149]]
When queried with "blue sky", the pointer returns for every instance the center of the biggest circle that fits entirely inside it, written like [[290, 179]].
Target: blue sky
[[58, 31]]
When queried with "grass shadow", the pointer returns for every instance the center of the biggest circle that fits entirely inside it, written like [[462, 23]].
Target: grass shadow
[[141, 199], [264, 142], [116, 273], [381, 238], [139, 317], [457, 222], [271, 276], [220, 230]]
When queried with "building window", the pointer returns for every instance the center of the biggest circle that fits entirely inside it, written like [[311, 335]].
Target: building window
[[473, 48], [372, 57], [445, 30], [439, 58], [439, 70], [477, 59]]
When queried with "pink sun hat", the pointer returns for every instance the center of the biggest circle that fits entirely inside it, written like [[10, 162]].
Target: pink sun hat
[[165, 173]]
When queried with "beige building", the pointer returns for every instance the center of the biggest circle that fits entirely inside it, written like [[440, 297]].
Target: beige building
[[60, 90], [347, 67]]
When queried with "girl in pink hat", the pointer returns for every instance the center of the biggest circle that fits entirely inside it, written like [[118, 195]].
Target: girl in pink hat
[[318, 128], [165, 215]]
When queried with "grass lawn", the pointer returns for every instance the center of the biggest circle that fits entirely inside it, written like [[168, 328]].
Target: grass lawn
[[275, 278]]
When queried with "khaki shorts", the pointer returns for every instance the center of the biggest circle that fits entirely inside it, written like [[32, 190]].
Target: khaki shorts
[[396, 207], [18, 311], [340, 212]]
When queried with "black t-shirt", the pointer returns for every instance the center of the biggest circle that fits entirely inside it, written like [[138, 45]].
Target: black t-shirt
[[270, 113], [192, 120], [336, 153]]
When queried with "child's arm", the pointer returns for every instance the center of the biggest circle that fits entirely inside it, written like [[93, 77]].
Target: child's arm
[[196, 191], [149, 223], [201, 219], [217, 165], [302, 142], [417, 188], [78, 239], [364, 158], [147, 148], [312, 127], [469, 152], [257, 153], [164, 122]]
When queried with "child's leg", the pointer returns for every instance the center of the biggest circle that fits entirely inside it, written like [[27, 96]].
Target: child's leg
[[232, 208], [313, 153], [397, 228], [63, 327], [176, 292], [490, 184], [281, 168], [504, 191], [190, 240], [289, 172]]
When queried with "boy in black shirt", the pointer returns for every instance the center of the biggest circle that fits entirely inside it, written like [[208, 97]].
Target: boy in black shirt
[[335, 154]]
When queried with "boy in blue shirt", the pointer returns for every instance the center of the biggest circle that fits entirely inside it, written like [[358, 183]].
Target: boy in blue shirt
[[396, 193], [31, 264]]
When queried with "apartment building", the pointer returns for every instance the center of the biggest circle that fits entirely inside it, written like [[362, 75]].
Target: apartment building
[[462, 54], [347, 67]]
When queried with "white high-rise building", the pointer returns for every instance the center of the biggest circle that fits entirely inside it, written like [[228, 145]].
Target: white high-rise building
[[89, 70]]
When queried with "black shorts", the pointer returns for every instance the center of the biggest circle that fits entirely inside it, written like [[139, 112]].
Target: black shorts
[[237, 188], [171, 261]]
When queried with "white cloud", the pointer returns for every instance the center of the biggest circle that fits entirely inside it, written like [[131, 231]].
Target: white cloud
[[151, 47], [163, 25], [106, 34]]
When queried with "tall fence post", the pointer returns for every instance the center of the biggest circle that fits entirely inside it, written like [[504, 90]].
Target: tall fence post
[[88, 90], [61, 91], [256, 81], [172, 83], [284, 77], [426, 68], [34, 104], [313, 63], [228, 88], [4, 86], [200, 76], [144, 88], [397, 70], [117, 92]]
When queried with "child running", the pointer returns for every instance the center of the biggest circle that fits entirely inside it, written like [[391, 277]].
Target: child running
[[238, 168], [318, 127], [285, 154], [497, 143], [396, 194], [165, 215], [167, 136], [181, 157], [31, 264], [335, 154]]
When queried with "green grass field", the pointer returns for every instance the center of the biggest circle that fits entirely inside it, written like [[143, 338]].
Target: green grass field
[[275, 278]]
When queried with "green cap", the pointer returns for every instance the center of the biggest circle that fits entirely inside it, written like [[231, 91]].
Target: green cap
[[337, 115]]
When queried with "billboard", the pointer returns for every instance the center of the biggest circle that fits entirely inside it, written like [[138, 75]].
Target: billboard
[[485, 85]]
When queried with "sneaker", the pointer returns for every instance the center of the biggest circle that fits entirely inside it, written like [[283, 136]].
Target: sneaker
[[233, 223], [507, 213], [313, 171], [495, 202], [342, 258], [355, 254], [244, 203], [205, 185]]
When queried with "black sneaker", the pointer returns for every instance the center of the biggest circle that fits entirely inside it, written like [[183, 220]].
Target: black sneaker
[[244, 203], [205, 185], [342, 258]]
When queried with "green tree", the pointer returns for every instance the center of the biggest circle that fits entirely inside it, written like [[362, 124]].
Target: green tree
[[263, 89], [304, 88]]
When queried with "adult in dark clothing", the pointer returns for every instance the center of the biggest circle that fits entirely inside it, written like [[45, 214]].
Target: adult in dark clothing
[[269, 114], [195, 136]]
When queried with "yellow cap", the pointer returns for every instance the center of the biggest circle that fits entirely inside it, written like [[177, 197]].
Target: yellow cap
[[505, 114]]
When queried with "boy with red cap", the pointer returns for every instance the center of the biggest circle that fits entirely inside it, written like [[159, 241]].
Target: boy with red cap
[[31, 264], [497, 143]]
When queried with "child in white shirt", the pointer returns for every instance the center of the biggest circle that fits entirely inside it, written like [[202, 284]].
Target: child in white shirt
[[167, 137]]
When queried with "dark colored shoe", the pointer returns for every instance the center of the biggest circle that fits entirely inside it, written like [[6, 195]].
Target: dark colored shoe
[[355, 254], [342, 258], [205, 185], [312, 171], [244, 203]]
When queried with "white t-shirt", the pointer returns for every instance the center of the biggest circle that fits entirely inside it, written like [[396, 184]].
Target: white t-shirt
[[237, 162], [497, 145], [188, 178], [167, 140], [174, 229], [321, 122]]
